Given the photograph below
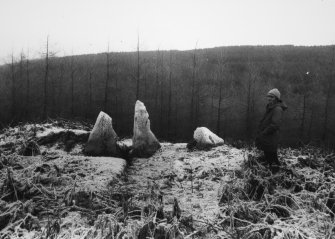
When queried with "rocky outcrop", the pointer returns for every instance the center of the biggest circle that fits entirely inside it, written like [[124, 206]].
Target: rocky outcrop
[[102, 139], [204, 138], [145, 144]]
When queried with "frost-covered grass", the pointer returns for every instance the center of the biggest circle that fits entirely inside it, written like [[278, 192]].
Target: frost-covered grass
[[223, 192]]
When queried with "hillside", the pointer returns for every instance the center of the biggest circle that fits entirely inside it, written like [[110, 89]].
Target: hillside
[[49, 189], [221, 88]]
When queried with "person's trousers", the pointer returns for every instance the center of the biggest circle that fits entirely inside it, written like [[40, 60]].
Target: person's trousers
[[271, 158]]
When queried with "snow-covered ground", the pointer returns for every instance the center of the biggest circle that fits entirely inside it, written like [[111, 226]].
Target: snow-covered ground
[[192, 177]]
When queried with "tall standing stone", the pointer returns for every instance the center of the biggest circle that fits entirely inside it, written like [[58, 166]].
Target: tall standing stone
[[145, 144], [102, 139]]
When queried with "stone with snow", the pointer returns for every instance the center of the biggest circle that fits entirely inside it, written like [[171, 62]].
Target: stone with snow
[[206, 139], [102, 139], [145, 144]]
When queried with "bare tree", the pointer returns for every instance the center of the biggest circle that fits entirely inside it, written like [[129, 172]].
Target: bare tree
[[250, 99], [162, 89], [27, 106], [220, 75], [21, 77], [304, 89], [326, 111], [213, 89], [138, 68], [90, 92], [311, 121], [116, 93], [107, 79], [193, 91], [170, 96], [224, 84], [219, 109], [21, 65], [328, 89], [72, 76], [145, 79], [89, 89], [157, 82], [60, 86], [303, 116], [13, 78], [46, 77]]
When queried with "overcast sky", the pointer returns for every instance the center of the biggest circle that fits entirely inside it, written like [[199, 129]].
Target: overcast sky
[[86, 26]]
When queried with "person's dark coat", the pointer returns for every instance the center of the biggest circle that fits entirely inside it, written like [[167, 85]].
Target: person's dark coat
[[268, 131]]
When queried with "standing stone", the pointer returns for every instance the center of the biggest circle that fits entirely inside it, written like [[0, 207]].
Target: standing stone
[[102, 139], [206, 139], [145, 144]]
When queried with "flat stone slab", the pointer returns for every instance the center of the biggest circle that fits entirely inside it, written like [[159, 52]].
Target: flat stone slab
[[99, 171], [91, 174], [57, 130]]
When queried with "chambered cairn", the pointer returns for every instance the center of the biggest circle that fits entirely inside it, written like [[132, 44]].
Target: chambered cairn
[[102, 139], [145, 144]]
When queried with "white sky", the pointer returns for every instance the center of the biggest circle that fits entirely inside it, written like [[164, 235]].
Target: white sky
[[86, 26]]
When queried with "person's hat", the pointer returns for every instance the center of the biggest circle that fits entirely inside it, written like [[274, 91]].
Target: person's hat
[[274, 92]]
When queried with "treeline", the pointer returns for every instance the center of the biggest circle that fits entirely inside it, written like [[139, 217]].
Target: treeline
[[221, 88]]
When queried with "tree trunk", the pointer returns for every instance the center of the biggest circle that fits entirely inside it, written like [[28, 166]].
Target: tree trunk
[[20, 93], [212, 122], [219, 110], [89, 110], [27, 107], [53, 97], [60, 89], [197, 104], [13, 89], [161, 130], [156, 92], [302, 125], [116, 103], [247, 123], [170, 98], [46, 76], [328, 95], [310, 125], [107, 82], [138, 69], [325, 123], [192, 115], [72, 86]]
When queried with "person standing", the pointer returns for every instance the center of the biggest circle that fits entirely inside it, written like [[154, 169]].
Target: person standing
[[268, 130]]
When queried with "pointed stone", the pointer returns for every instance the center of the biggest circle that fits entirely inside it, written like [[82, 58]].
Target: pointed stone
[[206, 139], [102, 139], [145, 144]]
